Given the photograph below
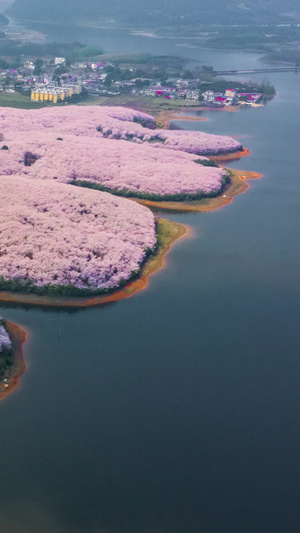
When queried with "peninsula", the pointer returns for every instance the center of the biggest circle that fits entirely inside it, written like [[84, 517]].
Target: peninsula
[[65, 242]]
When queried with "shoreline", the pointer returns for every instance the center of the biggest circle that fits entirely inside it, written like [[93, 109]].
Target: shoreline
[[174, 232], [232, 156], [18, 337], [166, 116], [238, 185]]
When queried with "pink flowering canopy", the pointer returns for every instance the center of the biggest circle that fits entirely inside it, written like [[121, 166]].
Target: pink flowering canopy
[[115, 165], [54, 234], [114, 123]]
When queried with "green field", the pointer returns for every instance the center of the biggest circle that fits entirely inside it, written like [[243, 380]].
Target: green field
[[18, 100], [140, 102], [145, 103]]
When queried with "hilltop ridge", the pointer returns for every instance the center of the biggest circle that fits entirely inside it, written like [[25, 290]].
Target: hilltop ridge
[[158, 13]]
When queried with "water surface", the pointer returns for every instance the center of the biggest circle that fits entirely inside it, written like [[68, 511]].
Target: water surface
[[177, 410]]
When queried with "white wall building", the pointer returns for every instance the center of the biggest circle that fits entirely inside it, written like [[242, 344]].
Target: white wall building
[[59, 60]]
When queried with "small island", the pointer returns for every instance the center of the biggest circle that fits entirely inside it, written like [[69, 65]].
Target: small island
[[12, 364]]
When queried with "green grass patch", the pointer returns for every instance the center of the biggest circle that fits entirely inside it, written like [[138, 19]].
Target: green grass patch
[[206, 163], [18, 100], [148, 104]]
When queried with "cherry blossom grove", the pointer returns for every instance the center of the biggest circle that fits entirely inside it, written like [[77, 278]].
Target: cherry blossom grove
[[116, 165], [115, 123], [55, 234]]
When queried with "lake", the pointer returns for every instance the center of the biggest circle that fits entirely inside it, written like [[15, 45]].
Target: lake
[[177, 410]]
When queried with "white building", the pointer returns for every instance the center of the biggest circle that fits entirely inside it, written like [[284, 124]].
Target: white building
[[208, 96], [230, 93], [192, 95], [59, 60]]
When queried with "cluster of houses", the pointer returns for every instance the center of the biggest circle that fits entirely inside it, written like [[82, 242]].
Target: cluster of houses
[[175, 90], [230, 98], [92, 76], [45, 86], [171, 93], [187, 89]]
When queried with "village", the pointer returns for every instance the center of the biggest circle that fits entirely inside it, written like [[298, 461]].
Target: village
[[58, 80]]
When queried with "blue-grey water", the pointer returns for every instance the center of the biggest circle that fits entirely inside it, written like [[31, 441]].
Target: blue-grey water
[[177, 410]]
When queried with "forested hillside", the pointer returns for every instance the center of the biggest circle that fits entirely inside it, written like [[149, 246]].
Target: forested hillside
[[157, 13]]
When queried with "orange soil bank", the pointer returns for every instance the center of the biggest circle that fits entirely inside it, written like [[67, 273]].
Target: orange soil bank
[[165, 117], [231, 157], [237, 185], [188, 118]]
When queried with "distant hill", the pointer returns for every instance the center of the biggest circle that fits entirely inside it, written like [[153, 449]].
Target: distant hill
[[157, 13]]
